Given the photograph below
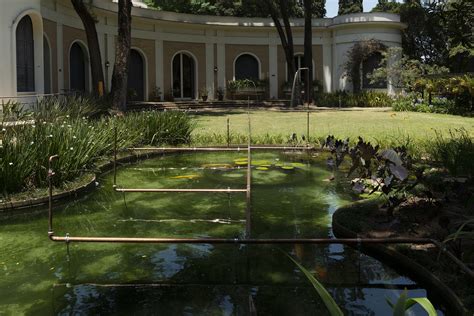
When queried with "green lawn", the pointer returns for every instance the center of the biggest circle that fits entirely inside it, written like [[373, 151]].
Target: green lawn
[[380, 125]]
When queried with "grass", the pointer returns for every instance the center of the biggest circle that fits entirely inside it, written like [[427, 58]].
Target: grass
[[376, 125]]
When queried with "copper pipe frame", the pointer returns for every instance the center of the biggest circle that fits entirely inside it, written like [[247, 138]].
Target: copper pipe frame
[[139, 240], [177, 149], [229, 190]]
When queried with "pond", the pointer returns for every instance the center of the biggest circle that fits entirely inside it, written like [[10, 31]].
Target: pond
[[292, 197]]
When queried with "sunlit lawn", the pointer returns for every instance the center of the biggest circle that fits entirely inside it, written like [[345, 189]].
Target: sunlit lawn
[[372, 124]]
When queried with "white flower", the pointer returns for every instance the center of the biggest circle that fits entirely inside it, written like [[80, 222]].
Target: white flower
[[10, 163], [50, 136], [71, 148], [4, 129], [32, 143], [74, 137]]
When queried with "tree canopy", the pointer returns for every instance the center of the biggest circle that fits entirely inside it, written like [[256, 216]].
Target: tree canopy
[[241, 8], [350, 6]]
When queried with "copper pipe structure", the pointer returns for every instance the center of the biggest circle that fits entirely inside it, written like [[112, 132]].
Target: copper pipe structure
[[229, 190], [197, 149], [326, 241], [247, 240]]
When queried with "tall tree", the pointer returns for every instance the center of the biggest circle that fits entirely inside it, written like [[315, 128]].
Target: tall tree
[[308, 48], [122, 55], [350, 6], [319, 8], [390, 6], [279, 9], [89, 22]]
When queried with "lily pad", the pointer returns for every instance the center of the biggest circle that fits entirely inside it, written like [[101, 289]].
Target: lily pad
[[241, 163], [260, 162], [287, 168], [217, 165], [262, 168], [188, 177], [298, 164]]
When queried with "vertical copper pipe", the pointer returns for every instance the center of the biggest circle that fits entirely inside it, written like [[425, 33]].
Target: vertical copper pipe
[[115, 155], [248, 223], [228, 132], [50, 191]]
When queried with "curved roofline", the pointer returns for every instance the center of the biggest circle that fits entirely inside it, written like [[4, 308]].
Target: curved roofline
[[386, 19]]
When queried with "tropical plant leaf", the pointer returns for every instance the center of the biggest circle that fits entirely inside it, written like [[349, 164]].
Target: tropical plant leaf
[[404, 303], [399, 307], [392, 156], [423, 302], [331, 305], [400, 172]]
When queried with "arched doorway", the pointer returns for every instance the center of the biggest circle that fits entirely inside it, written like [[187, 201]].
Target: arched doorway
[[47, 65], [77, 68], [136, 77], [184, 76], [25, 56]]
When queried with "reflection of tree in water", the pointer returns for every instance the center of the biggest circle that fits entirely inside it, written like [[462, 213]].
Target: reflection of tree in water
[[205, 279], [216, 279]]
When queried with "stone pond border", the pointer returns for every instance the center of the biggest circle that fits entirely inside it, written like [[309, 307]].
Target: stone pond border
[[26, 206]]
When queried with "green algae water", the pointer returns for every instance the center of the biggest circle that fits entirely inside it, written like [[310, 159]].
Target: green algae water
[[292, 197]]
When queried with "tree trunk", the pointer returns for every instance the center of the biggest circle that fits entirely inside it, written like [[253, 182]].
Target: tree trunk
[[88, 21], [289, 50], [308, 49], [122, 55]]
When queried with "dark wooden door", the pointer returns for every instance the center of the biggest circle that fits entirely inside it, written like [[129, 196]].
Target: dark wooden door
[[77, 68], [136, 77]]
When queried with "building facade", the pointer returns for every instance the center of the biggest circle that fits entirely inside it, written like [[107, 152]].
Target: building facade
[[44, 49]]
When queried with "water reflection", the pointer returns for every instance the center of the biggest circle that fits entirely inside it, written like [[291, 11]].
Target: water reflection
[[196, 279]]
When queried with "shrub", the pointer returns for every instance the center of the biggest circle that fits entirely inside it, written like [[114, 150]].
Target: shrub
[[455, 153], [362, 99], [78, 140]]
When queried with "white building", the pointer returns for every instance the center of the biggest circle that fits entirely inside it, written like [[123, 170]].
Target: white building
[[44, 49]]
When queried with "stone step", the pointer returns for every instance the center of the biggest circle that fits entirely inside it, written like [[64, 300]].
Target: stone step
[[207, 104]]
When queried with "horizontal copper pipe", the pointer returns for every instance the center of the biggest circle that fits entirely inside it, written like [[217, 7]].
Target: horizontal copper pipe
[[220, 148], [240, 284], [326, 241], [181, 190]]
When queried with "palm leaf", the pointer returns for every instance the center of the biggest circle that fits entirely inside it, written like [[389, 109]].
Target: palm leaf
[[331, 305]]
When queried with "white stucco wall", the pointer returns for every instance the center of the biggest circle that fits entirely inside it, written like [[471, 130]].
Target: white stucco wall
[[335, 35]]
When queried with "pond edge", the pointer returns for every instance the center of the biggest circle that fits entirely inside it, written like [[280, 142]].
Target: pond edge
[[399, 261]]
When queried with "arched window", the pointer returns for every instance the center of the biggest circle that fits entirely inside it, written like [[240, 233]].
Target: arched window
[[368, 66], [247, 67], [25, 57], [77, 68]]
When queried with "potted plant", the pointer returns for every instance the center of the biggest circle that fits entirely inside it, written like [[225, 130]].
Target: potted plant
[[204, 94], [220, 93], [156, 94]]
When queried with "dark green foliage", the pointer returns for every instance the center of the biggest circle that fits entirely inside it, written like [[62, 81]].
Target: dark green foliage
[[390, 6], [439, 32], [360, 52], [350, 6], [242, 8], [80, 141], [384, 170], [455, 153], [361, 99]]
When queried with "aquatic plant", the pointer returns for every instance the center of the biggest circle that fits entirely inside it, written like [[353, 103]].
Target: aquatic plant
[[328, 301], [79, 140], [403, 304]]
